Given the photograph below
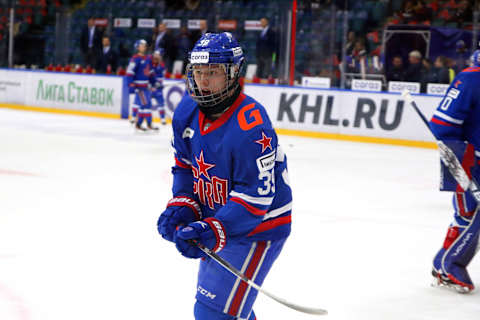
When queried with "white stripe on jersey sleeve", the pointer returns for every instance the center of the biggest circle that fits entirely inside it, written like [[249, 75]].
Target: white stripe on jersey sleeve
[[187, 161], [264, 201], [280, 154], [278, 211], [448, 118]]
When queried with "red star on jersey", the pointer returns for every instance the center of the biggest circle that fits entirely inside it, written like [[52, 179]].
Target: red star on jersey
[[203, 167], [265, 142]]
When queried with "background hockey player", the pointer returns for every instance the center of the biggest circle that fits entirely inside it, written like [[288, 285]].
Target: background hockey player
[[135, 103], [140, 72], [230, 184], [157, 86], [457, 123]]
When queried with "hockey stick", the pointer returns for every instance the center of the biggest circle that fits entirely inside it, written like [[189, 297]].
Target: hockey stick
[[448, 157], [241, 276]]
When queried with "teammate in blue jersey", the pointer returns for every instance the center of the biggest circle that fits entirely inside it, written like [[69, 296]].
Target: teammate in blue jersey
[[140, 72], [157, 85], [456, 122], [230, 181]]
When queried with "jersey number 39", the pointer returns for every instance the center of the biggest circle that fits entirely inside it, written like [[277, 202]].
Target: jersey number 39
[[268, 178]]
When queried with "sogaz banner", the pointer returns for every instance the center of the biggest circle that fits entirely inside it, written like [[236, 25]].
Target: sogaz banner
[[12, 86]]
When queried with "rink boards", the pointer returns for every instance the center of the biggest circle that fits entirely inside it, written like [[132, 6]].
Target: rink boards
[[323, 113]]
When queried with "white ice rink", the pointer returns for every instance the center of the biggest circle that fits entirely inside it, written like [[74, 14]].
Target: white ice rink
[[80, 197]]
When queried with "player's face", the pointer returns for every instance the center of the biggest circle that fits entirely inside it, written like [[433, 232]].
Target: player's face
[[157, 58], [142, 48], [210, 79]]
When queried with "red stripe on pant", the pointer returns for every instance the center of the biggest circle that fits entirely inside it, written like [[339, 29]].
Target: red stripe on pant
[[242, 288]]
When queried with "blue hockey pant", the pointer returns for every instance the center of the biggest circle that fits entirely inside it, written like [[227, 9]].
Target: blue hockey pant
[[221, 291]]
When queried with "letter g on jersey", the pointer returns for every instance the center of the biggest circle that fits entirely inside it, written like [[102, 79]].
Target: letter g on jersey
[[254, 117]]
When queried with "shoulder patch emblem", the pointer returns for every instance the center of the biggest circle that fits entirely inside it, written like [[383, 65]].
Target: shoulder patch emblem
[[188, 133], [266, 162]]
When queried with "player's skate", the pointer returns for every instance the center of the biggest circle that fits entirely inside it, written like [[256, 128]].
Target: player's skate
[[452, 282], [138, 127], [152, 127], [449, 265], [458, 278], [133, 120]]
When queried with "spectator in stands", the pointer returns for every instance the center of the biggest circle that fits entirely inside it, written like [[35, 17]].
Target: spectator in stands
[[20, 52], [439, 72], [266, 47], [396, 72], [415, 11], [426, 74], [359, 49], [450, 64], [415, 69], [462, 56], [91, 43], [163, 40], [354, 60], [108, 60], [203, 28], [408, 11], [462, 14], [422, 12], [361, 63], [184, 46], [351, 39]]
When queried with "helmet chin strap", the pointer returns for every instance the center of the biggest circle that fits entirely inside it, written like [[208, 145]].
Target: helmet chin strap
[[220, 107]]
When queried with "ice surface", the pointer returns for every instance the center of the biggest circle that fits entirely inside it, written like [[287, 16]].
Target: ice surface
[[79, 200]]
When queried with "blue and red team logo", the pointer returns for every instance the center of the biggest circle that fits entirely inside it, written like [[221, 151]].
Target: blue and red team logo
[[210, 190]]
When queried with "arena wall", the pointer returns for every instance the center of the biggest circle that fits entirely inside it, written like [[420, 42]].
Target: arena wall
[[363, 116]]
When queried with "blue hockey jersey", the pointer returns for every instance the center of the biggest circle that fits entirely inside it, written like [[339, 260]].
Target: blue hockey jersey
[[234, 168], [140, 71], [159, 75], [458, 115], [457, 119]]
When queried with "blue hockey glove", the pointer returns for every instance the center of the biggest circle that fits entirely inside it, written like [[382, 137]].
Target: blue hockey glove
[[209, 232], [180, 211]]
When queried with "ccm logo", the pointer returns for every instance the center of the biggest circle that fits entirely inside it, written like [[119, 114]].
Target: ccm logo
[[206, 293]]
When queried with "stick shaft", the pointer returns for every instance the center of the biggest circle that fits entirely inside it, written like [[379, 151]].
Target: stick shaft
[[225, 264]]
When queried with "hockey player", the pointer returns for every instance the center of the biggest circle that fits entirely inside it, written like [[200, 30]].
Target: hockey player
[[157, 86], [456, 122], [140, 72], [230, 181], [135, 103]]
